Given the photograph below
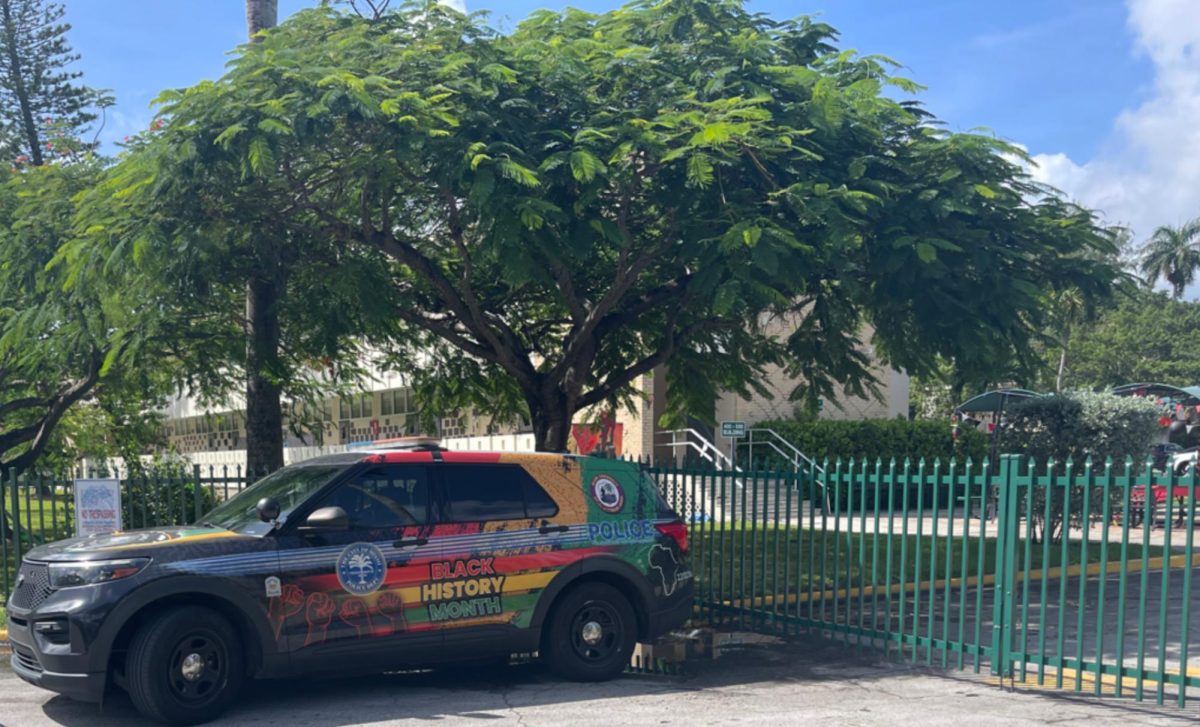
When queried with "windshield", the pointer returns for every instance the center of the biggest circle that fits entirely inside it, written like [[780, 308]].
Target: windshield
[[289, 486]]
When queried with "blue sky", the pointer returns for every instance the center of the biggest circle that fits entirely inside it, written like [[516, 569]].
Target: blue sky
[[1098, 90]]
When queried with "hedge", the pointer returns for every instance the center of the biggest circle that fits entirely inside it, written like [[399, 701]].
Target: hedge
[[871, 439]]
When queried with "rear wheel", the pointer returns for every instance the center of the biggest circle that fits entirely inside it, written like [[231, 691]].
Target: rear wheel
[[590, 634], [185, 666]]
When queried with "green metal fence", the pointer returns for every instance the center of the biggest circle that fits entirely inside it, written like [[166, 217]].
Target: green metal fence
[[40, 508], [1052, 574], [1077, 576]]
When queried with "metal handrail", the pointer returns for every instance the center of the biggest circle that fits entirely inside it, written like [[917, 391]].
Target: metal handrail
[[797, 458], [696, 441]]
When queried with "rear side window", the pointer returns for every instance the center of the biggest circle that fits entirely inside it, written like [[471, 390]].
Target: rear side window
[[537, 502], [484, 492]]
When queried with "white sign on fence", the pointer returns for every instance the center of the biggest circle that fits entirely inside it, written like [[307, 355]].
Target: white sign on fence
[[97, 506]]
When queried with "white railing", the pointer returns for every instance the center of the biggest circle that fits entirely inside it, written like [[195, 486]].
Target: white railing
[[690, 439], [771, 439], [799, 460]]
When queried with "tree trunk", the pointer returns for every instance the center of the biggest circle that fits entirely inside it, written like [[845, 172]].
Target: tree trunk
[[260, 15], [551, 418], [1062, 366], [264, 413], [28, 124]]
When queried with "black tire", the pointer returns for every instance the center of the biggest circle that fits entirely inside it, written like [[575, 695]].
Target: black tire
[[587, 655], [154, 669]]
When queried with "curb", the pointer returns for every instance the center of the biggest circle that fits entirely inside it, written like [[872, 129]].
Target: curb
[[1086, 680]]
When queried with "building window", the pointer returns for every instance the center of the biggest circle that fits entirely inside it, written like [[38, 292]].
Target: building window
[[385, 403]]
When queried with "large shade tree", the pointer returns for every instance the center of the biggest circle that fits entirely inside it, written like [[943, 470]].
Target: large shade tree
[[562, 209]]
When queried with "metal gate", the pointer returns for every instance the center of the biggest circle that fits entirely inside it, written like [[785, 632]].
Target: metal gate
[[1076, 577]]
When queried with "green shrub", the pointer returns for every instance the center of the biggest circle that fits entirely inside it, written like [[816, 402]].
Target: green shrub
[[1078, 425], [869, 439], [1081, 424]]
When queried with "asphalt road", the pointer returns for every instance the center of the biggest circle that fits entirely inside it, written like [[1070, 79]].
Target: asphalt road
[[806, 682]]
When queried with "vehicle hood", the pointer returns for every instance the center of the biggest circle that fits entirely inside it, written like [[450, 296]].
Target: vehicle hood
[[169, 543]]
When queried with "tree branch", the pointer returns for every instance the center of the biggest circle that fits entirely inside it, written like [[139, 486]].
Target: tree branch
[[614, 382]]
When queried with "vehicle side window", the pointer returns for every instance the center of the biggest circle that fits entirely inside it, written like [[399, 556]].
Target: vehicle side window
[[387, 496], [537, 502], [486, 492]]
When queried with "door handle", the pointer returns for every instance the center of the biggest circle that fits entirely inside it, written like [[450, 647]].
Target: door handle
[[410, 542], [547, 529]]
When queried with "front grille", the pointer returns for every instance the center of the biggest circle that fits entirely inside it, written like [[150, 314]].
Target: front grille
[[26, 658], [33, 586]]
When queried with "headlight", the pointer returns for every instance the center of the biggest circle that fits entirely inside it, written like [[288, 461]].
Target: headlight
[[86, 573]]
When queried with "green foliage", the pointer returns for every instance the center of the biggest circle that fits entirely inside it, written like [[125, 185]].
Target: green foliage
[[63, 330], [1079, 425], [1071, 427], [44, 110], [122, 420], [1147, 337], [542, 217], [875, 439], [165, 493]]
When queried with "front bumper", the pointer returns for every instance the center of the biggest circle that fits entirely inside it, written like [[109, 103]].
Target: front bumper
[[64, 674]]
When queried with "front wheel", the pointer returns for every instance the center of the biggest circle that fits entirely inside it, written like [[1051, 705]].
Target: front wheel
[[590, 634], [185, 666]]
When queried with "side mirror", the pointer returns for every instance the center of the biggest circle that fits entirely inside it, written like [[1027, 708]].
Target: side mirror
[[325, 520], [268, 509]]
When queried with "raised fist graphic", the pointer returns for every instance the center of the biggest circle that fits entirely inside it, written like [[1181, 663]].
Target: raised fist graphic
[[354, 612], [318, 611], [390, 617], [282, 607]]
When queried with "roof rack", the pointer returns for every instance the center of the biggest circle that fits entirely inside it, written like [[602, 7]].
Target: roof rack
[[410, 444]]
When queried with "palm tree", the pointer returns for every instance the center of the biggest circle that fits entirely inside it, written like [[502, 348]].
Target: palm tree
[[1173, 254], [1068, 309]]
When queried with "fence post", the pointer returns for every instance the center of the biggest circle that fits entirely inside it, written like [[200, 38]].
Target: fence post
[[196, 493], [1004, 589]]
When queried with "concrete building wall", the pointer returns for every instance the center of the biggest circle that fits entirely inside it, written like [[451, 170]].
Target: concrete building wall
[[891, 402]]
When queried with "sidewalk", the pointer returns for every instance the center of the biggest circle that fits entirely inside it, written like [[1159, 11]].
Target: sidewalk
[[803, 682]]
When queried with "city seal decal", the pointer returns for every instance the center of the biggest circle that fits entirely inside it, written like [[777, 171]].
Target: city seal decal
[[608, 494], [361, 568]]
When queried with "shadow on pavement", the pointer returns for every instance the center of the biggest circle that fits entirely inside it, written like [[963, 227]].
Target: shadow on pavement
[[490, 694]]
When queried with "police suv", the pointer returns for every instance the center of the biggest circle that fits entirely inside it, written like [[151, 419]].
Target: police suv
[[360, 562]]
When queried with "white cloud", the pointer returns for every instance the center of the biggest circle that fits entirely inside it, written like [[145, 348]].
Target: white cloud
[[1149, 173], [459, 5]]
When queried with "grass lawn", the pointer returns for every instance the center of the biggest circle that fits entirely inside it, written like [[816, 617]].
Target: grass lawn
[[754, 561]]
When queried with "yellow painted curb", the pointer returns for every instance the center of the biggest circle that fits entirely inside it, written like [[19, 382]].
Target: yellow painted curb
[[1087, 680], [1132, 566]]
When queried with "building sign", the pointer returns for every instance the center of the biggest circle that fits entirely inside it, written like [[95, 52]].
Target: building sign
[[97, 506], [733, 430]]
